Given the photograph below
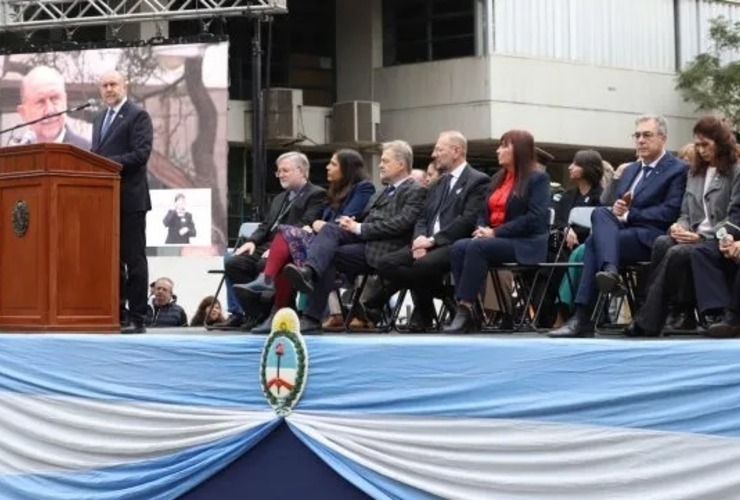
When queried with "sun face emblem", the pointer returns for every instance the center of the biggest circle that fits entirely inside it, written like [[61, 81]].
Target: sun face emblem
[[284, 365]]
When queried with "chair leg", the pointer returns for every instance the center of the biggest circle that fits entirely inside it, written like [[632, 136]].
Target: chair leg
[[355, 302]]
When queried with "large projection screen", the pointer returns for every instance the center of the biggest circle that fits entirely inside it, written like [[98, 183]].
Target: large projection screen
[[184, 87]]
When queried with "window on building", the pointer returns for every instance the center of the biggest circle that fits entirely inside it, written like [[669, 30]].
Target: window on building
[[427, 30]]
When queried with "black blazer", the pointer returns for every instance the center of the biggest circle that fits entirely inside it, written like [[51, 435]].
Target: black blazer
[[459, 210], [571, 199], [306, 208], [388, 221], [128, 142], [527, 218], [174, 223]]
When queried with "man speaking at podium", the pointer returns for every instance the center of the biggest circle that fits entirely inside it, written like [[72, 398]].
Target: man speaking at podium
[[43, 93], [123, 133]]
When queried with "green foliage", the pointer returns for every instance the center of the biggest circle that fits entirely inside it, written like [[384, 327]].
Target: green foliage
[[708, 82]]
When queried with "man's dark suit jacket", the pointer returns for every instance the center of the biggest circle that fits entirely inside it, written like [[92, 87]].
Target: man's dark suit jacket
[[388, 221], [459, 210], [656, 201], [527, 218], [306, 208], [128, 142]]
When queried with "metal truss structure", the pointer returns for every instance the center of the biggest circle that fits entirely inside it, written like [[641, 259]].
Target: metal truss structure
[[30, 15]]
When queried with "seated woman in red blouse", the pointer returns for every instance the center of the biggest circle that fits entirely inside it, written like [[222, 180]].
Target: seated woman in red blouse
[[513, 226]]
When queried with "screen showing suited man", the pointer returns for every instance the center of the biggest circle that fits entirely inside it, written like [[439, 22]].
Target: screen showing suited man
[[43, 94]]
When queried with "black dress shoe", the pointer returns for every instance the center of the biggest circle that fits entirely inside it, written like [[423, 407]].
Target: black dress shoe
[[300, 278], [233, 322], [464, 321], [681, 321], [309, 326], [420, 321], [575, 327], [265, 326], [133, 328], [635, 330], [608, 282], [724, 330]]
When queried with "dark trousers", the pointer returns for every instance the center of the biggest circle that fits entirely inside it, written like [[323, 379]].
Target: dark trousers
[[612, 243], [424, 277], [470, 260], [670, 280], [243, 268], [333, 251], [134, 280], [716, 279]]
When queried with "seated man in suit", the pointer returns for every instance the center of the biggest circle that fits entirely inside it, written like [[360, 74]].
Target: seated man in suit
[[299, 205], [449, 214], [715, 265], [43, 92], [649, 201], [354, 247]]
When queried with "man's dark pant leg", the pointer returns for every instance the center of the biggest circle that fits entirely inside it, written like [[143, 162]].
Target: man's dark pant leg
[[668, 280], [320, 254], [609, 243], [710, 270], [349, 260], [244, 268], [134, 287]]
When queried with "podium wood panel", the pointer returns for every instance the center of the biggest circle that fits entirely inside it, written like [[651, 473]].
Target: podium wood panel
[[63, 273]]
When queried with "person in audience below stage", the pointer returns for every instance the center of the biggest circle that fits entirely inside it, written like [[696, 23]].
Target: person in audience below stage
[[179, 223], [450, 213], [209, 312], [348, 194], [354, 246], [420, 176], [433, 173], [43, 93], [164, 311], [586, 171], [714, 178], [123, 132], [298, 205], [649, 200], [512, 226]]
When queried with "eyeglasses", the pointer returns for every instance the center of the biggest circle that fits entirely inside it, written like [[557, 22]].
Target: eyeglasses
[[282, 171], [646, 135]]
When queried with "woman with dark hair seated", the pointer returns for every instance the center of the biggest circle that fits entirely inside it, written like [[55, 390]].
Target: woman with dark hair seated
[[513, 226], [209, 312], [714, 178], [348, 194], [586, 171]]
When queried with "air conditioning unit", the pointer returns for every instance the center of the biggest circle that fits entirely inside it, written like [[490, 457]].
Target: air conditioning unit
[[355, 122], [281, 113]]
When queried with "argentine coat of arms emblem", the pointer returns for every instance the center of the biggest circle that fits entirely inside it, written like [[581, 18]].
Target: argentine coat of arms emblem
[[284, 366]]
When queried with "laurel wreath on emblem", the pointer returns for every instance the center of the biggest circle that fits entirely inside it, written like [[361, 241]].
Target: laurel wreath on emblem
[[284, 330], [20, 218]]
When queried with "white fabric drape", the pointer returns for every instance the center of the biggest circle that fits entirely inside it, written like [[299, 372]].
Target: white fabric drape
[[505, 459], [46, 434]]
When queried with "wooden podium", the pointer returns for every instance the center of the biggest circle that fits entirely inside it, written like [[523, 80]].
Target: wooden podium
[[59, 232]]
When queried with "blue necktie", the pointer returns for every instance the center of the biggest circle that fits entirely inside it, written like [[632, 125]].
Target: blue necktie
[[107, 122]]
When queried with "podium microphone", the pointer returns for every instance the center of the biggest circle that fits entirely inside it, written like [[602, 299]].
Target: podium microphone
[[87, 104]]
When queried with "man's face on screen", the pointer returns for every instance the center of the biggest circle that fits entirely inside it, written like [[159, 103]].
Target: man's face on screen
[[43, 94], [112, 88]]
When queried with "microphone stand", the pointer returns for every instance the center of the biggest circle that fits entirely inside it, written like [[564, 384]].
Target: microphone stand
[[52, 115]]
